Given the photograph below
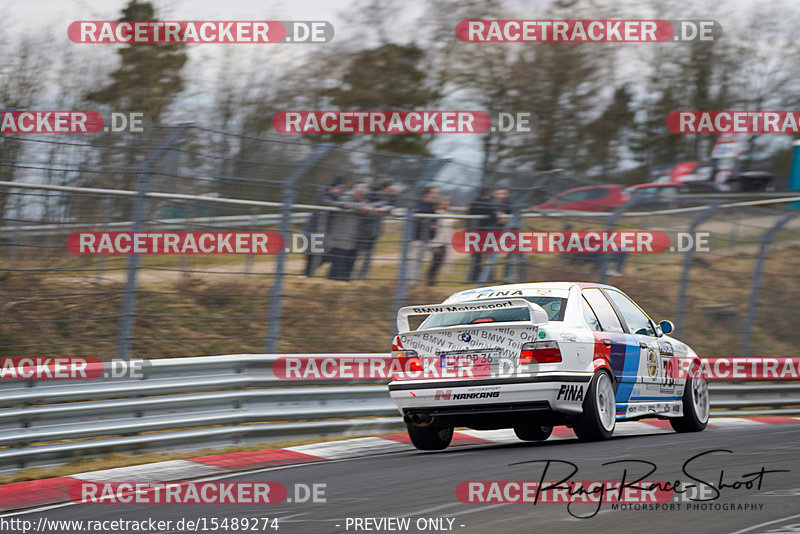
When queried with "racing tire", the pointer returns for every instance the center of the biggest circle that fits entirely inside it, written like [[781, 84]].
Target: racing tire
[[696, 407], [599, 415], [430, 438], [533, 432]]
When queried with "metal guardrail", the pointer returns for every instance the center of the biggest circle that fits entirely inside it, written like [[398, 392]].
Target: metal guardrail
[[227, 221], [225, 401]]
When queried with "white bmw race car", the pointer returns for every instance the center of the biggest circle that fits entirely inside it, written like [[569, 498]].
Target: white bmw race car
[[532, 356]]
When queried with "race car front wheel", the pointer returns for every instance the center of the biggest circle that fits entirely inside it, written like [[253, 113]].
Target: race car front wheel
[[533, 432], [696, 407], [599, 410], [430, 438]]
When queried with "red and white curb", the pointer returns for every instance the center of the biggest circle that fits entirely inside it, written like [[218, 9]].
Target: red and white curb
[[20, 495]]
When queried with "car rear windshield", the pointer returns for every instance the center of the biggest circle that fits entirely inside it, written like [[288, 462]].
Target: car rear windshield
[[554, 306]]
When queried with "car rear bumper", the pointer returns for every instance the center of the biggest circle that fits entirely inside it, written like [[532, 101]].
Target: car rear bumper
[[491, 403]]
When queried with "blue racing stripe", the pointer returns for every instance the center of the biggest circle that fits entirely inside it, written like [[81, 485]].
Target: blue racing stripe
[[630, 369]]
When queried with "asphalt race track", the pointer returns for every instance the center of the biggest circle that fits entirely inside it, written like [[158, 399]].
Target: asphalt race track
[[422, 485]]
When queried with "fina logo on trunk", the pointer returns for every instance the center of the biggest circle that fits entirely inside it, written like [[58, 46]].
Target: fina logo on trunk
[[570, 393]]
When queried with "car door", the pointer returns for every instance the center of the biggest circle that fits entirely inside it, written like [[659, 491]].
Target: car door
[[623, 348], [652, 363]]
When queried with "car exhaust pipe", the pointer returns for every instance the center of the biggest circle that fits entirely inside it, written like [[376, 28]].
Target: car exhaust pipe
[[418, 419], [423, 419]]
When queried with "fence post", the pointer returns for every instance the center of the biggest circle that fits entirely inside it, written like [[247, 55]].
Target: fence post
[[276, 300], [128, 310], [521, 200], [432, 169], [687, 264], [756, 285], [612, 222]]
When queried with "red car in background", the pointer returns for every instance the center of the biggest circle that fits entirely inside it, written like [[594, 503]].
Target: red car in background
[[587, 198]]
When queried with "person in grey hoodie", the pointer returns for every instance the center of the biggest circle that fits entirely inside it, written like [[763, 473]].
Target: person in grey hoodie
[[343, 231]]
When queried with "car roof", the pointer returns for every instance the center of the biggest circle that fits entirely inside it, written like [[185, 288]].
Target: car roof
[[527, 289], [648, 186], [588, 187]]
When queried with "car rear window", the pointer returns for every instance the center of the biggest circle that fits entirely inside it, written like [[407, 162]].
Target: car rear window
[[554, 306], [579, 196]]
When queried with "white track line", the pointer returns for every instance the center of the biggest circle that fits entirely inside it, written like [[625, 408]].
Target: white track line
[[155, 472]]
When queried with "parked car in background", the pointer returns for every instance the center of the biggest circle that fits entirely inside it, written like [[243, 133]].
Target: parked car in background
[[587, 198], [655, 196]]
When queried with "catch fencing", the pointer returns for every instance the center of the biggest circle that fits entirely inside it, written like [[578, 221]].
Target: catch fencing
[[738, 297]]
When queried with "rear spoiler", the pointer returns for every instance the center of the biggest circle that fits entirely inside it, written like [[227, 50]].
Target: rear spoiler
[[538, 315]]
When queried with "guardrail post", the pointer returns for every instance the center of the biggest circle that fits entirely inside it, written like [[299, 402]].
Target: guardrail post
[[756, 285], [276, 298], [128, 310], [687, 265]]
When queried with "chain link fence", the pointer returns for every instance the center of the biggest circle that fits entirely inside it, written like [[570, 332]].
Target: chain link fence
[[738, 297]]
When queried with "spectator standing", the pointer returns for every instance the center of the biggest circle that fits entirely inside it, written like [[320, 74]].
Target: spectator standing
[[342, 235], [381, 202], [441, 243], [495, 211], [502, 207], [482, 205], [424, 228], [318, 223]]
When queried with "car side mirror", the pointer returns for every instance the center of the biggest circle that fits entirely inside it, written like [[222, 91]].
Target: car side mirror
[[666, 327]]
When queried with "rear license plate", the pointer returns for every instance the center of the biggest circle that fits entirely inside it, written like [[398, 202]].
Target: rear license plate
[[482, 362]]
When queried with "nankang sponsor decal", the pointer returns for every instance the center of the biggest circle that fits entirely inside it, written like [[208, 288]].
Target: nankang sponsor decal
[[448, 394], [484, 395]]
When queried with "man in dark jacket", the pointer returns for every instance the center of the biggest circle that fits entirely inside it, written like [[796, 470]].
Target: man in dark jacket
[[381, 199], [318, 224], [493, 207], [424, 227], [482, 205]]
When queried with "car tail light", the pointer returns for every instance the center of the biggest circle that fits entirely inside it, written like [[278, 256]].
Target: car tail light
[[412, 362], [540, 352]]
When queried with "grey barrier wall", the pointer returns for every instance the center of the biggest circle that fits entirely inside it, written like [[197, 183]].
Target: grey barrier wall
[[190, 404]]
